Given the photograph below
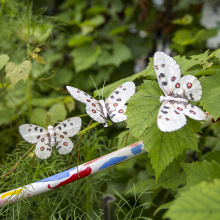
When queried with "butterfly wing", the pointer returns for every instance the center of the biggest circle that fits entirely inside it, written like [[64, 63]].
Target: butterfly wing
[[32, 133], [64, 145], [93, 107], [69, 127], [170, 118], [79, 95], [96, 111], [194, 112], [167, 71], [188, 87], [115, 103], [43, 149]]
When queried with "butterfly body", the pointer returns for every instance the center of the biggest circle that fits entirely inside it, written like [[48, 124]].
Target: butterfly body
[[178, 92], [114, 105], [57, 136]]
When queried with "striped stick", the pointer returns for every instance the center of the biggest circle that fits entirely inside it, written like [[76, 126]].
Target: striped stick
[[73, 174]]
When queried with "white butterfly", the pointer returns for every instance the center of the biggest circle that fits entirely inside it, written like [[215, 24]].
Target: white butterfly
[[46, 139], [114, 105], [178, 92]]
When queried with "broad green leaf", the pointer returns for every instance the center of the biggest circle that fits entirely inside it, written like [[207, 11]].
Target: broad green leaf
[[211, 94], [200, 171], [85, 56], [39, 116], [4, 58], [164, 206], [17, 72], [143, 108], [185, 64], [213, 156], [120, 53], [200, 202], [58, 112], [164, 147], [110, 88]]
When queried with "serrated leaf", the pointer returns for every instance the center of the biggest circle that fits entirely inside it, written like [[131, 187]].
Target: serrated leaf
[[164, 147], [200, 171], [4, 58], [143, 108], [200, 202], [213, 156], [85, 56], [211, 94], [125, 139], [17, 72], [185, 64]]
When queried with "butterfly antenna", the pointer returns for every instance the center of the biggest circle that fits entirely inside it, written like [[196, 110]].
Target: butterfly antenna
[[103, 88], [95, 86]]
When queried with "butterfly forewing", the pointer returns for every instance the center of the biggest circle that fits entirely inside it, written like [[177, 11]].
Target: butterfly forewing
[[32, 133], [69, 127], [167, 71], [64, 145], [79, 95], [188, 87], [115, 103], [43, 149]]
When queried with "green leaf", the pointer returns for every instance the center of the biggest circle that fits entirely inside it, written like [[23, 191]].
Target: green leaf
[[200, 171], [39, 116], [143, 108], [85, 56], [185, 20], [120, 53], [200, 202], [211, 94], [110, 88], [170, 178], [162, 147], [4, 58], [58, 112], [17, 72], [125, 139], [77, 40], [213, 156], [6, 114], [45, 101], [185, 64]]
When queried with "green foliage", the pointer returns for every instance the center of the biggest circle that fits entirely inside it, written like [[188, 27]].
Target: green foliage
[[199, 202], [66, 42]]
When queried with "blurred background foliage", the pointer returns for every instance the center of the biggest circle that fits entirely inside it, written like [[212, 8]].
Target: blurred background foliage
[[48, 44]]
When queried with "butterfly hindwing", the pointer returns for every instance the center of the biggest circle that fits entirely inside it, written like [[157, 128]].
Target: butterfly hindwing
[[32, 133], [194, 112], [167, 71], [43, 149], [115, 103], [69, 127], [95, 111], [188, 87], [64, 145], [170, 118]]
